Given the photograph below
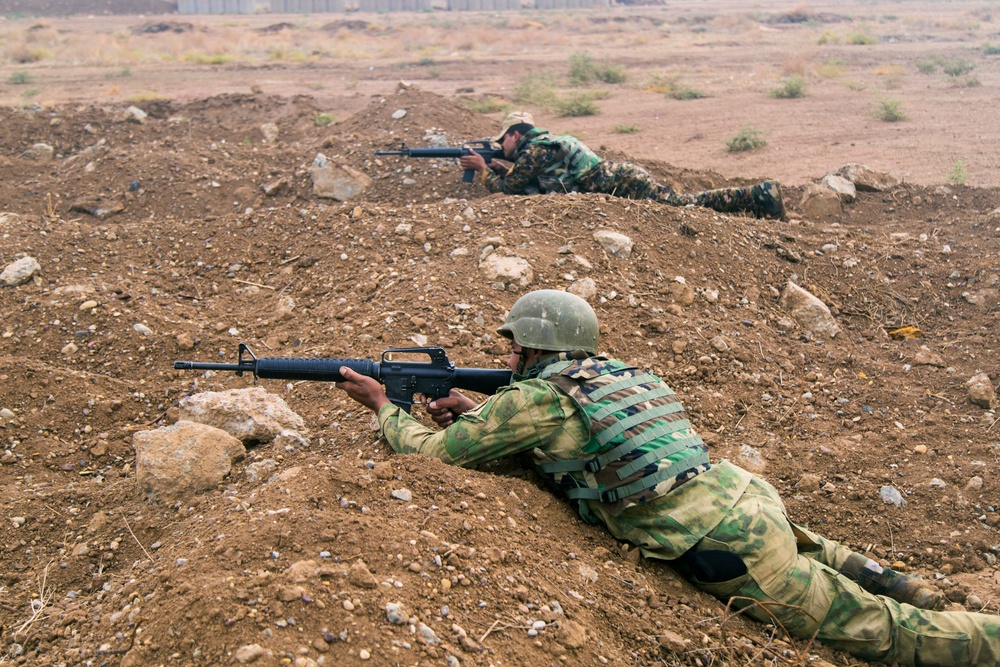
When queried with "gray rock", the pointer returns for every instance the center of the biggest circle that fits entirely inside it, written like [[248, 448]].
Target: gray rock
[[867, 179], [925, 356], [339, 182], [890, 495], [250, 414], [507, 269], [395, 614], [270, 132], [183, 459], [981, 391], [19, 272], [39, 152], [249, 653], [402, 494], [844, 188], [135, 115], [261, 470], [820, 202], [809, 312], [585, 288], [613, 243]]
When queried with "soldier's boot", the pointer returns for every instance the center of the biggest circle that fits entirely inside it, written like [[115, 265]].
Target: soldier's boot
[[885, 581], [767, 201]]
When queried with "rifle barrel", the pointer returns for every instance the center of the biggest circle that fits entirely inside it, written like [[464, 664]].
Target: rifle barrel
[[203, 366]]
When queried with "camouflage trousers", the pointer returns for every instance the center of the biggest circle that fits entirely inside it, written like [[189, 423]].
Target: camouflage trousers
[[793, 576], [623, 179]]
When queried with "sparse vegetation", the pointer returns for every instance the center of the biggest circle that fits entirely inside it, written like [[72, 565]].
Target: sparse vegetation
[[927, 66], [577, 104], [672, 87], [20, 78], [583, 70], [208, 58], [684, 92], [958, 174], [861, 39], [890, 111], [627, 129], [792, 87], [484, 104], [537, 89], [831, 69], [323, 119], [991, 50], [747, 139], [957, 67], [828, 38]]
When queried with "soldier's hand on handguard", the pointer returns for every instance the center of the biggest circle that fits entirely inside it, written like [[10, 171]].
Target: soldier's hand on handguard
[[473, 161], [499, 168], [363, 389], [444, 411]]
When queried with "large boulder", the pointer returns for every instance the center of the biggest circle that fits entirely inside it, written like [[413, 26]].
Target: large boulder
[[507, 269], [337, 181], [867, 179], [183, 459], [252, 415], [819, 201]]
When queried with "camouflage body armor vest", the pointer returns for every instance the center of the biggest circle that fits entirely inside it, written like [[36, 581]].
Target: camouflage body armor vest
[[641, 444], [574, 160]]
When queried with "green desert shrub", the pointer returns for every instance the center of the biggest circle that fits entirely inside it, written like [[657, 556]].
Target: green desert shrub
[[747, 139]]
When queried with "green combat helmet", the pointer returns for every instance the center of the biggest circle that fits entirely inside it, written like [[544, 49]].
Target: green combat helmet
[[552, 320]]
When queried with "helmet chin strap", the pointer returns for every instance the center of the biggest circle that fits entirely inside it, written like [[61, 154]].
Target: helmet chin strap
[[521, 362]]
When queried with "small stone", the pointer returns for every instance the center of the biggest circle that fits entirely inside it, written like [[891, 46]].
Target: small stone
[[395, 613], [891, 496], [672, 641], [398, 113], [18, 521], [920, 449], [808, 483], [402, 494], [364, 654], [138, 327], [249, 653], [88, 305]]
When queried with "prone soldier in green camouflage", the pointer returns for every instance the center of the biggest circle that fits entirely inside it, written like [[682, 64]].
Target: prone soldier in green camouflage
[[545, 163], [617, 442]]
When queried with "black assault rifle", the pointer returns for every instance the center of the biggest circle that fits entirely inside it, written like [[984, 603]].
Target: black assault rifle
[[485, 149], [402, 379]]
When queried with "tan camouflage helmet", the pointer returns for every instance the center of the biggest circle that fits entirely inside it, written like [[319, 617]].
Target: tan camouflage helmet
[[512, 119], [552, 320]]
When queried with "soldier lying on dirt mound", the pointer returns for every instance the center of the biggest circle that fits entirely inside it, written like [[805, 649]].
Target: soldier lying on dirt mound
[[546, 163], [615, 440]]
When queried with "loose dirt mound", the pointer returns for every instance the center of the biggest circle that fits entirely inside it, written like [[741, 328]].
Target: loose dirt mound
[[488, 566]]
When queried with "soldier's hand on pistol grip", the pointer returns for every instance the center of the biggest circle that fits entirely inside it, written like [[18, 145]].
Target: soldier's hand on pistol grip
[[444, 411]]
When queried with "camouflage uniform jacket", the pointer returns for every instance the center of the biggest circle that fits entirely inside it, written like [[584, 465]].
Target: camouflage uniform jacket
[[545, 163], [538, 416]]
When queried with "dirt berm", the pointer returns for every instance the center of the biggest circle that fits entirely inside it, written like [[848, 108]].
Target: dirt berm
[[156, 242]]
